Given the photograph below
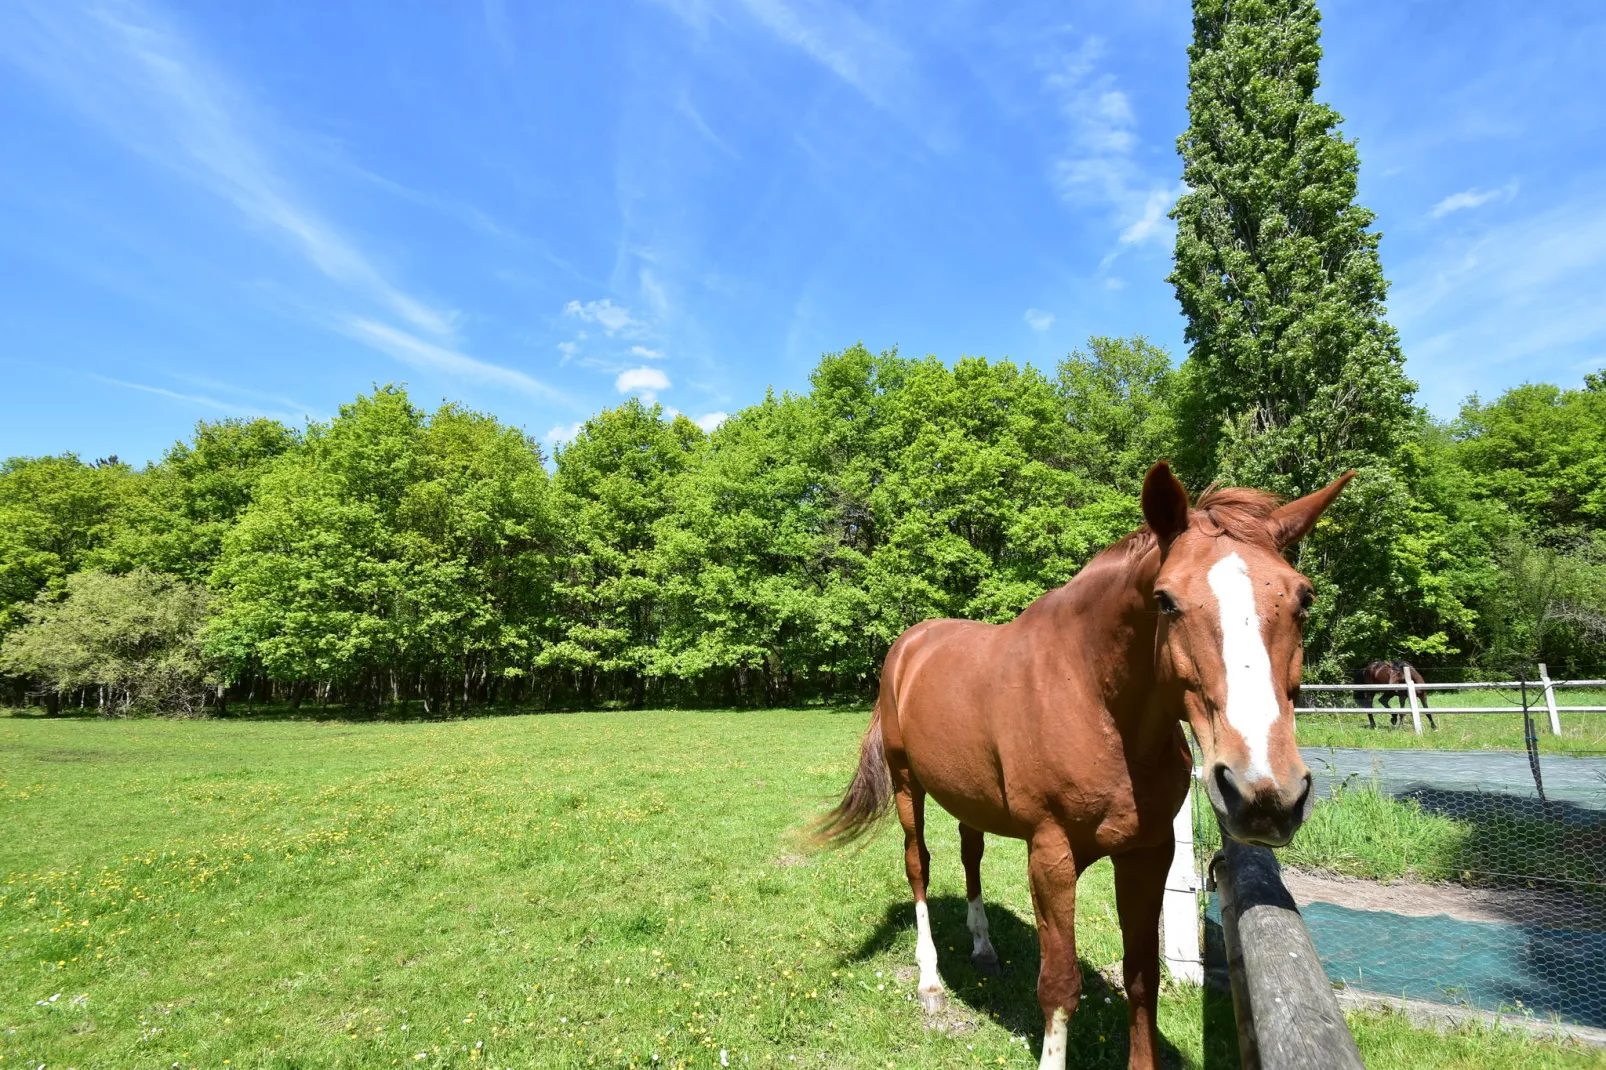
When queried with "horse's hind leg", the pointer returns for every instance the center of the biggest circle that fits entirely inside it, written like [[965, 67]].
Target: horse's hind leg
[[982, 955], [911, 799]]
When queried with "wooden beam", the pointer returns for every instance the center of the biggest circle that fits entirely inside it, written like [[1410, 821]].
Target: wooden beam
[[1288, 1016]]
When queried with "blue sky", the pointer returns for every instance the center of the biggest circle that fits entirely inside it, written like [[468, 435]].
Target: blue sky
[[538, 209]]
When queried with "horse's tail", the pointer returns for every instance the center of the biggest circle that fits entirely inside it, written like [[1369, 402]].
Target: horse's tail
[[1363, 675], [868, 797]]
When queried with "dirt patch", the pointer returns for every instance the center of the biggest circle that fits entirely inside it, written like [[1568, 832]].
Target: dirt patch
[[792, 860], [1413, 899], [955, 1019]]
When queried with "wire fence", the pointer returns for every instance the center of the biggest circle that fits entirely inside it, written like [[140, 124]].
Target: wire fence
[[1467, 877]]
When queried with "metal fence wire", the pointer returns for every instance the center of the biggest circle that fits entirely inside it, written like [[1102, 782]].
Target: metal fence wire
[[1467, 877]]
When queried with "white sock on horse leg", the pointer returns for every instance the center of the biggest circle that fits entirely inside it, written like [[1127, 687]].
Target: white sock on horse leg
[[1054, 1041], [976, 918], [926, 950]]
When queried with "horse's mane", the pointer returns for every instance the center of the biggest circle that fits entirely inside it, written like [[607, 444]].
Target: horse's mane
[[1236, 512]]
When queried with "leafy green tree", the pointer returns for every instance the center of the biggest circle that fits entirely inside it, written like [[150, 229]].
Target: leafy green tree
[[394, 554], [1541, 451], [1548, 605], [978, 503], [134, 640], [1293, 375], [55, 512], [1118, 398], [177, 513], [613, 485], [758, 595]]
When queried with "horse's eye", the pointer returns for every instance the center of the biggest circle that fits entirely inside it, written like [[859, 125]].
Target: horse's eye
[[1305, 599], [1168, 605]]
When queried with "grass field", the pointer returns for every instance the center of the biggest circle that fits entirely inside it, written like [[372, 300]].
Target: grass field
[[609, 889], [1581, 733]]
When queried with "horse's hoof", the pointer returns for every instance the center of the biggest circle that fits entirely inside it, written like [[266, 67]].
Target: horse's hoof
[[987, 963], [932, 1001]]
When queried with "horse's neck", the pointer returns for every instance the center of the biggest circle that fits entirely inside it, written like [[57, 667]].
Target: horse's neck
[[1111, 603]]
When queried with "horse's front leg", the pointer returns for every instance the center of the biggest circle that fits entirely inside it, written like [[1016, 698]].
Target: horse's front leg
[[1059, 978], [1139, 893]]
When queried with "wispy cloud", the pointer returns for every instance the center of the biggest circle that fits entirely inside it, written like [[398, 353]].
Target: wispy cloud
[[689, 112], [839, 39], [1472, 198], [835, 35], [290, 404], [1526, 290], [1153, 223], [229, 407], [1097, 166], [610, 317], [646, 354], [418, 353], [137, 77], [1038, 320], [645, 382]]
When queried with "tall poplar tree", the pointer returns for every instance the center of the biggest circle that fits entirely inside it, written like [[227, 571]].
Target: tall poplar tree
[[1293, 374]]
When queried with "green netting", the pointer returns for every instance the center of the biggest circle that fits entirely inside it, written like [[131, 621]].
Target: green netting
[[1479, 964], [1522, 877]]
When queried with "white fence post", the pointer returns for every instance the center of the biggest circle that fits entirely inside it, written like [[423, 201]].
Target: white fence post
[[1550, 700], [1180, 919], [1416, 710]]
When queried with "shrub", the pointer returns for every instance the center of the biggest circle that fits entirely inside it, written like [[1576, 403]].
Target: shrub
[[133, 639]]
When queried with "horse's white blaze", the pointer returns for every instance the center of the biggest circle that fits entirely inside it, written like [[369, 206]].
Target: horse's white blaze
[[926, 950], [1054, 1041], [976, 918], [1251, 699]]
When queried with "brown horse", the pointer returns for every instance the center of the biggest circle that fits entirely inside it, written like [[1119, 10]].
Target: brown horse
[[1064, 728], [1390, 672]]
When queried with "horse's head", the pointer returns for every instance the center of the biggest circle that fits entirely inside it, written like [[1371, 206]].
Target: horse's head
[[1230, 638]]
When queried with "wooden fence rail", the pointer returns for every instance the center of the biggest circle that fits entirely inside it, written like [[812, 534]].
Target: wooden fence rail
[[1287, 1015]]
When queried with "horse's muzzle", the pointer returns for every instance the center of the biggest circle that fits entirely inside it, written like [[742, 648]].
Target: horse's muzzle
[[1266, 815]]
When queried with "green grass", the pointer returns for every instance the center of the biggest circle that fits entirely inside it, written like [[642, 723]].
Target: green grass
[[1581, 733], [556, 891], [1359, 831]]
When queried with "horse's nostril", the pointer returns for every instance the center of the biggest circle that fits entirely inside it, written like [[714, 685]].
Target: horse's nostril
[[1306, 800], [1227, 788]]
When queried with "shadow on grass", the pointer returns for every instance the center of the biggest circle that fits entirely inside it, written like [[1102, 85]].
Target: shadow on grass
[[1098, 1033], [36, 713]]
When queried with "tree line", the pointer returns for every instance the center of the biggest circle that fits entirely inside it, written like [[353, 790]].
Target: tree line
[[392, 556]]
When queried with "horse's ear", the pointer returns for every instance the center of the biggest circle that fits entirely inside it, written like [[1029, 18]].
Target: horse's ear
[[1165, 503], [1290, 523]]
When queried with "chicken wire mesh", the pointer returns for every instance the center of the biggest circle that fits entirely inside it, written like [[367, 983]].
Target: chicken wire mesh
[[1475, 878]]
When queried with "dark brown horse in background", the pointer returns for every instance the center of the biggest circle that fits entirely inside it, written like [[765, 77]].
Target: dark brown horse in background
[[1390, 672], [1064, 728]]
